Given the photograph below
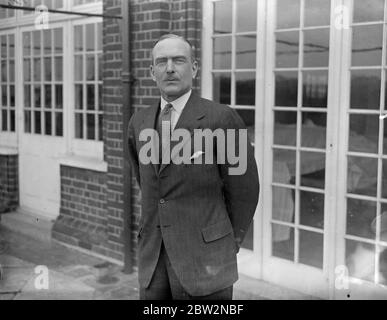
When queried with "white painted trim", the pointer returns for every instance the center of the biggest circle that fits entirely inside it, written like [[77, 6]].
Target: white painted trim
[[8, 151], [83, 163]]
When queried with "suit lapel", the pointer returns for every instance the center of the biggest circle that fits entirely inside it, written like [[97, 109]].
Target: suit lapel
[[189, 119]]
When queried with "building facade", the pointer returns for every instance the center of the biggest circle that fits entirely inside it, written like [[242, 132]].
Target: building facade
[[307, 76]]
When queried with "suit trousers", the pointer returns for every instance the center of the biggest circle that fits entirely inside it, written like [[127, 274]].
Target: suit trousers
[[166, 286]]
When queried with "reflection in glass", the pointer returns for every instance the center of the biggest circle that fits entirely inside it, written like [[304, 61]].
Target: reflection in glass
[[367, 45], [246, 51], [58, 40], [27, 69], [90, 37], [313, 169], [312, 209], [364, 133], [222, 16], [47, 123], [222, 53], [222, 87], [286, 89], [4, 73], [11, 45], [365, 89], [383, 265], [360, 260], [37, 69], [79, 125], [368, 10], [58, 68], [311, 248], [47, 96], [90, 67], [26, 43], [78, 96], [58, 124], [27, 121], [283, 210], [285, 128], [316, 48], [78, 68], [246, 15], [288, 14], [90, 126], [287, 49], [284, 166], [245, 88], [36, 43], [58, 96], [78, 38], [362, 175], [283, 242], [27, 96], [47, 41], [313, 130], [317, 13], [315, 89], [47, 69]]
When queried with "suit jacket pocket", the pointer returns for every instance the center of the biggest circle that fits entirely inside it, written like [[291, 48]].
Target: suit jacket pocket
[[217, 231]]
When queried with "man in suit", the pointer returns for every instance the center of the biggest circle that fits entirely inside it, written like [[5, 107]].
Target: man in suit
[[194, 215]]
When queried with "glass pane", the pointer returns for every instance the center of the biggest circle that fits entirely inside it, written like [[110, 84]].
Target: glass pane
[[360, 260], [59, 96], [13, 122], [384, 182], [90, 97], [27, 121], [317, 13], [12, 96], [58, 68], [288, 14], [90, 37], [3, 46], [11, 45], [222, 16], [100, 127], [284, 166], [58, 40], [313, 169], [222, 53], [368, 10], [4, 72], [58, 124], [365, 89], [78, 126], [313, 130], [285, 128], [246, 52], [26, 43], [362, 175], [315, 89], [27, 96], [364, 133], [47, 123], [37, 97], [37, 69], [78, 96], [248, 117], [90, 118], [382, 220], [385, 138], [367, 45], [78, 38], [4, 120], [311, 248], [47, 41], [312, 209], [383, 266], [283, 206], [316, 48], [36, 42], [4, 96], [360, 216], [47, 69], [47, 96], [283, 242], [38, 122], [222, 88], [100, 98], [246, 15], [27, 70], [99, 37], [286, 89], [100, 66], [90, 67], [78, 68], [287, 49], [245, 88], [11, 70]]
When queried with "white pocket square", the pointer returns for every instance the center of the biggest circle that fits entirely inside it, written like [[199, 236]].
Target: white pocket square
[[197, 154]]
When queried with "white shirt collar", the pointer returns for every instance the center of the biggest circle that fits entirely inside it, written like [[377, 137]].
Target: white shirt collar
[[178, 104]]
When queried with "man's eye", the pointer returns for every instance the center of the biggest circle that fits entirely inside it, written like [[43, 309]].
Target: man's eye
[[180, 60]]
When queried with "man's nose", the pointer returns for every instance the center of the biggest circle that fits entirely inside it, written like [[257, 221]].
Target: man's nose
[[170, 66]]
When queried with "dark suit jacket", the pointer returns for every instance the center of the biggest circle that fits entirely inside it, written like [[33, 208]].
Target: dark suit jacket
[[199, 211]]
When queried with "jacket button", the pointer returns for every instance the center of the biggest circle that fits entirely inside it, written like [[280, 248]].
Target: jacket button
[[162, 201]]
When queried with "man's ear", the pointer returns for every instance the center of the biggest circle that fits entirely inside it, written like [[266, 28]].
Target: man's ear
[[195, 67], [152, 72]]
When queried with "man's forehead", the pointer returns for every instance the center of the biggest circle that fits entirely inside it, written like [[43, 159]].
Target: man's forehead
[[171, 47]]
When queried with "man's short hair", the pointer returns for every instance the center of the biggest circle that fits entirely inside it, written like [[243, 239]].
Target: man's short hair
[[174, 36]]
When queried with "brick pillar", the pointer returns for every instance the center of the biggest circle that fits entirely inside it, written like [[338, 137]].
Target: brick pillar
[[9, 183]]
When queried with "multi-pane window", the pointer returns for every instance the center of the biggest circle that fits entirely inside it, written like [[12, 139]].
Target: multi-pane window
[[366, 157], [300, 118], [88, 81], [7, 83], [50, 4], [234, 42], [5, 12], [43, 81]]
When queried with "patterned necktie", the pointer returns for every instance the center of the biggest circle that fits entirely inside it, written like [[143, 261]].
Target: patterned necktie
[[165, 116]]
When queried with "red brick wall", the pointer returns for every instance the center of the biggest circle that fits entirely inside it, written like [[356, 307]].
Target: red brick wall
[[9, 183]]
